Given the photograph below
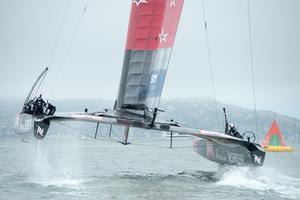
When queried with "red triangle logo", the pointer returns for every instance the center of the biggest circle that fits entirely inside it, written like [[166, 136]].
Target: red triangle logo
[[274, 137]]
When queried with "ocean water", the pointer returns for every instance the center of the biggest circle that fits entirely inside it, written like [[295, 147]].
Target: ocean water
[[72, 168]]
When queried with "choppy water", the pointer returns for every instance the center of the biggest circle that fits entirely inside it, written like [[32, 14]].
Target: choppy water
[[69, 168]]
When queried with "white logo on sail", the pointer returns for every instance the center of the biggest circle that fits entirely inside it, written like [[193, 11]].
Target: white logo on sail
[[40, 131], [138, 2], [257, 159], [153, 78], [163, 36], [172, 3]]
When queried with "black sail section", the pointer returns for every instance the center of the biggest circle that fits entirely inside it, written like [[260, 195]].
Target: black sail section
[[142, 80]]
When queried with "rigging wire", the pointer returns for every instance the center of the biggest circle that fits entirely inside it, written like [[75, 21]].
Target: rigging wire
[[145, 139], [42, 87], [69, 46], [210, 64], [41, 83], [34, 94], [101, 138], [176, 147], [59, 33], [252, 65], [117, 140], [113, 133]]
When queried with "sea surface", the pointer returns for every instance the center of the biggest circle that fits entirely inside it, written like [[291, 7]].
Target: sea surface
[[83, 168]]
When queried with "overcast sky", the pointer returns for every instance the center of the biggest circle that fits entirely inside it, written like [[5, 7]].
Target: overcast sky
[[28, 30]]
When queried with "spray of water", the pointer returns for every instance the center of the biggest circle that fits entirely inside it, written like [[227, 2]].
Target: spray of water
[[41, 167], [53, 165], [262, 179]]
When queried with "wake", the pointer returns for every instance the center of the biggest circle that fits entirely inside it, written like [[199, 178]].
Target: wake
[[263, 179]]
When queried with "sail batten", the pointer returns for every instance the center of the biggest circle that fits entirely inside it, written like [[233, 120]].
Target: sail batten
[[151, 34]]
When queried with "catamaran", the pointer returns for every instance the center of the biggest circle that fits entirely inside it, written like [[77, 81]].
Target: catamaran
[[151, 35]]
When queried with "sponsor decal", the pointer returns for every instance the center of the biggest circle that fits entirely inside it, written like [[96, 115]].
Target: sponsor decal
[[209, 150], [257, 159], [154, 78], [236, 158], [138, 2], [40, 131], [220, 157], [172, 3], [27, 124]]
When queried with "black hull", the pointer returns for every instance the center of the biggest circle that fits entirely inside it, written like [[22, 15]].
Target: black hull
[[243, 154]]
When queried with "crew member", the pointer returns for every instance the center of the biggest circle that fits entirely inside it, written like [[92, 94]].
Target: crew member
[[28, 107], [234, 132], [50, 109], [39, 105]]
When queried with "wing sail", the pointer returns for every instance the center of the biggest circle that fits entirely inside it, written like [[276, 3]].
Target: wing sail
[[151, 34]]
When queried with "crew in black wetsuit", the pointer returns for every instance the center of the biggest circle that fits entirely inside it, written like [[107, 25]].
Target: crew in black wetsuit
[[234, 132], [230, 129], [39, 105], [50, 109], [26, 109], [29, 107]]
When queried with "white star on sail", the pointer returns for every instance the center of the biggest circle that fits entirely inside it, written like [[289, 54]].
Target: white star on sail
[[163, 36], [138, 2], [172, 3]]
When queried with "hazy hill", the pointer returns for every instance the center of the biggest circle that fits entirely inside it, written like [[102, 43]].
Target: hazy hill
[[194, 112], [201, 113]]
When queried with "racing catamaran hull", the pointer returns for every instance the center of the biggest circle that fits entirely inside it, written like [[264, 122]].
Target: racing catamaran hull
[[27, 124], [230, 153], [217, 147]]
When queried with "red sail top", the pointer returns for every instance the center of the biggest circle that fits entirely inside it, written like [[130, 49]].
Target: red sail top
[[153, 24], [274, 133]]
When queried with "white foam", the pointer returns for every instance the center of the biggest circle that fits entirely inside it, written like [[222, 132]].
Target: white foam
[[240, 177], [61, 182], [41, 167], [59, 172], [261, 179]]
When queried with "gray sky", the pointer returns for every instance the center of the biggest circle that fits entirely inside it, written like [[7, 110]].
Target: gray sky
[[28, 30]]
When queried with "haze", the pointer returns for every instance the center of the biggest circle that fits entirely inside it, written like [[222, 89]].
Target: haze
[[93, 66]]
